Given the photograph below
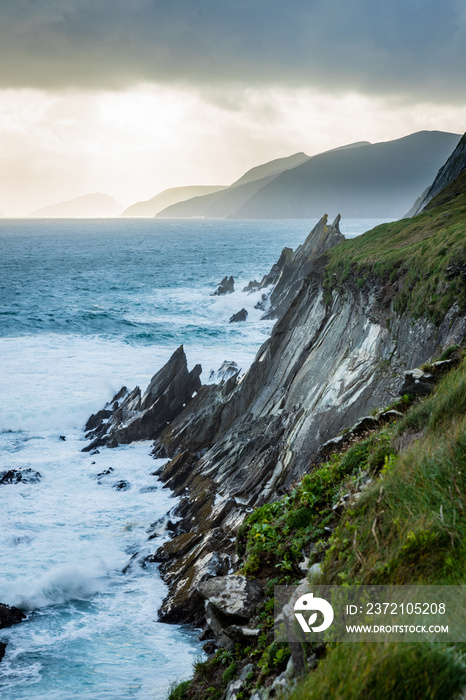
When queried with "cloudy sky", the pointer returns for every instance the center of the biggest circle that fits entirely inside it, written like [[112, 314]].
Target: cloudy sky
[[130, 97]]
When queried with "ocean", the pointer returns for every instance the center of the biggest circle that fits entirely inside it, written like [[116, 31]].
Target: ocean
[[87, 306]]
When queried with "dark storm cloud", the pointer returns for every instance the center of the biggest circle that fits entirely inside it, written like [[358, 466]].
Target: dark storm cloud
[[410, 48]]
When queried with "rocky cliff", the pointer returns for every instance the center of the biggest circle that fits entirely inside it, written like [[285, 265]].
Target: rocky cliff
[[448, 173], [339, 350]]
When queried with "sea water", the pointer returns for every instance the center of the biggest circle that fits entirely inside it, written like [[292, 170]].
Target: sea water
[[85, 307]]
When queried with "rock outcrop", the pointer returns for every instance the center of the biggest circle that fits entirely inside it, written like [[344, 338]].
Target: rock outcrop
[[10, 615], [288, 273], [143, 417], [448, 173], [239, 317], [226, 286]]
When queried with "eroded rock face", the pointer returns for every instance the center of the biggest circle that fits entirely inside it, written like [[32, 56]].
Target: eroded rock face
[[287, 274]]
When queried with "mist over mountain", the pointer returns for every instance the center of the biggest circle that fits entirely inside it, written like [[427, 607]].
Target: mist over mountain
[[89, 206], [174, 195], [224, 204], [359, 180]]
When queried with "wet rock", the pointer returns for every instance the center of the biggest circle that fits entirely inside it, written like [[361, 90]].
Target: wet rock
[[16, 476], [121, 485], [119, 395], [239, 317], [263, 303], [227, 369], [96, 419], [9, 615], [62, 437], [226, 286], [2, 650], [251, 286]]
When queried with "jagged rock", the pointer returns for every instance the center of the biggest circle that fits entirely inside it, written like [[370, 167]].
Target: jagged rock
[[263, 303], [144, 417], [96, 419], [288, 273], [227, 369], [119, 395], [239, 316], [233, 596], [251, 286], [318, 372], [226, 286], [16, 476], [9, 615], [121, 485]]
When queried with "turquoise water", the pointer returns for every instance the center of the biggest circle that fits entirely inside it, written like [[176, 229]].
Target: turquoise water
[[86, 306]]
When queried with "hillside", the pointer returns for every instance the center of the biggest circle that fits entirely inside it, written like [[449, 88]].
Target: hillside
[[364, 180], [89, 206], [174, 195], [225, 203]]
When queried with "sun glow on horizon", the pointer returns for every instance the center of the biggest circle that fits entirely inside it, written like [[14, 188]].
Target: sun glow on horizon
[[134, 143]]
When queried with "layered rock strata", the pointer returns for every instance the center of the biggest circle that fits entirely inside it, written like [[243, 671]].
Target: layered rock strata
[[243, 442]]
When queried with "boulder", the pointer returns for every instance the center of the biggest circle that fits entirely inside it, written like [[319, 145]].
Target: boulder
[[16, 476], [226, 286], [2, 650], [233, 596], [418, 383], [10, 615], [240, 316]]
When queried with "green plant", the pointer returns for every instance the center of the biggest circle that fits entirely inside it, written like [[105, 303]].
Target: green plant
[[229, 673]]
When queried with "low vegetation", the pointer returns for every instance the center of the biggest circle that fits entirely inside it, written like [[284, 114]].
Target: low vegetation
[[422, 261], [391, 509]]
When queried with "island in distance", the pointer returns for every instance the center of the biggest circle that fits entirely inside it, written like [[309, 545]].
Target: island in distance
[[151, 207], [89, 206]]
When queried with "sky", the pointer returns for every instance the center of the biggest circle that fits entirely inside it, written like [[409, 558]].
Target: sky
[[130, 97]]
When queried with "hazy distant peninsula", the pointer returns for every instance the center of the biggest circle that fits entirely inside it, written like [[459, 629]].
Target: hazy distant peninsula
[[174, 195], [89, 206], [359, 180]]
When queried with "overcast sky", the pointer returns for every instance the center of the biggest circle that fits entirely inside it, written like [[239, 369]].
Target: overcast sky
[[131, 97]]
